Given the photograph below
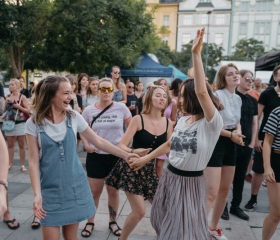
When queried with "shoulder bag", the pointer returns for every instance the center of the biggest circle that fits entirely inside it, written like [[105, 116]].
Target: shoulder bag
[[98, 115]]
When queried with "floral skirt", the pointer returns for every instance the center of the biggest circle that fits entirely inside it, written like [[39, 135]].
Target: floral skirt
[[144, 182]]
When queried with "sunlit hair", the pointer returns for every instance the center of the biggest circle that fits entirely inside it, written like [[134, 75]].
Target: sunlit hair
[[148, 102], [73, 81], [80, 77], [169, 100], [45, 91], [16, 81], [105, 80], [275, 71], [175, 86], [118, 84], [190, 103], [244, 71], [91, 79], [221, 77]]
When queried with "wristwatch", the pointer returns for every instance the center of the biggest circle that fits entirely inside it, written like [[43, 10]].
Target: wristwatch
[[5, 184]]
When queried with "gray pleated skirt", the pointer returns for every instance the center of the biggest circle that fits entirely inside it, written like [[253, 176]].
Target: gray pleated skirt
[[19, 130], [178, 210]]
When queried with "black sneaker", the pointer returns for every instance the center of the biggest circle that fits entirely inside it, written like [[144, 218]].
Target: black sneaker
[[250, 206], [225, 214], [238, 212]]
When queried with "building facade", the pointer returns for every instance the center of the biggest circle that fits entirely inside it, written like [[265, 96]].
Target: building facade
[[214, 15], [165, 19], [259, 19]]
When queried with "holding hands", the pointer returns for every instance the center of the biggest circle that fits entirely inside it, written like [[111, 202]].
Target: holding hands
[[137, 163]]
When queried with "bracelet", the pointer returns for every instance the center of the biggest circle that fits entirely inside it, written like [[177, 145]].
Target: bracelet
[[131, 151]]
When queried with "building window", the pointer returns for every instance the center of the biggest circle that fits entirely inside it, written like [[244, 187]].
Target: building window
[[242, 28], [264, 5], [187, 20], [186, 38], [203, 18], [219, 38], [166, 20], [244, 6], [262, 32], [165, 39], [220, 19]]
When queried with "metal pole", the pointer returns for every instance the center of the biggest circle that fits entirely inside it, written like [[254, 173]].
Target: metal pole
[[206, 57]]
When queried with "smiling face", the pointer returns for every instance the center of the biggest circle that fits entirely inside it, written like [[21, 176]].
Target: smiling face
[[84, 82], [246, 82], [62, 97]]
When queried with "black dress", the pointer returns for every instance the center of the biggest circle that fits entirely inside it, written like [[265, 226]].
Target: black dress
[[145, 181]]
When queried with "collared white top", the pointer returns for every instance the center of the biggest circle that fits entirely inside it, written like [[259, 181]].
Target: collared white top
[[231, 113]]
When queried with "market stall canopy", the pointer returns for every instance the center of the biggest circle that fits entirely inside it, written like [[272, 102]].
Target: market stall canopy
[[177, 73], [146, 67], [268, 61]]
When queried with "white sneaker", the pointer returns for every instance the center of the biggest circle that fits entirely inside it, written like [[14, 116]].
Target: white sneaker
[[218, 234]]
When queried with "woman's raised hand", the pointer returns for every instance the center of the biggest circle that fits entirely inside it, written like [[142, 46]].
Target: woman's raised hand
[[197, 42]]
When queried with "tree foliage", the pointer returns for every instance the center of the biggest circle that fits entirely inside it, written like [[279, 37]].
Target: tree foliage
[[78, 36], [246, 50]]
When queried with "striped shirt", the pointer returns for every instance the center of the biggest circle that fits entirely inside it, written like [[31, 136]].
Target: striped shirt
[[272, 127]]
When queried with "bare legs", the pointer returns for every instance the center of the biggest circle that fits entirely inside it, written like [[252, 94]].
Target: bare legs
[[159, 167], [256, 183], [273, 218], [69, 232], [96, 186], [11, 140], [138, 208]]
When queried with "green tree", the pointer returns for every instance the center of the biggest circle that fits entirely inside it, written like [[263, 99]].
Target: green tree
[[246, 50], [78, 36]]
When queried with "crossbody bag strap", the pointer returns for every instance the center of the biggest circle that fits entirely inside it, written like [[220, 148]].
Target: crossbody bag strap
[[19, 104], [104, 110]]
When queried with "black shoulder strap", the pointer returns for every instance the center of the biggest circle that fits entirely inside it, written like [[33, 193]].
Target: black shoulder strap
[[142, 121], [167, 122], [98, 115]]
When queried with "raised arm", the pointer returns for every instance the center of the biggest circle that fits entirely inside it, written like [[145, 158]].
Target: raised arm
[[199, 77]]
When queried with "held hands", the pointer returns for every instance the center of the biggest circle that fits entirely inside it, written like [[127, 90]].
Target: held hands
[[269, 174], [39, 212], [137, 163], [142, 151], [237, 138], [198, 41], [129, 156], [91, 149]]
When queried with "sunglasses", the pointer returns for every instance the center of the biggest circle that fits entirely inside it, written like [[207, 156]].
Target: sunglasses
[[104, 89], [115, 72], [130, 86], [248, 79]]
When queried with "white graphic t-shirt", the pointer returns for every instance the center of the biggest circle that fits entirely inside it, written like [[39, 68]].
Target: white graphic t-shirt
[[110, 124], [193, 144]]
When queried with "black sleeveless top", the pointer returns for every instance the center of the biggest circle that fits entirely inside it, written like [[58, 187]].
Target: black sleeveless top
[[144, 139]]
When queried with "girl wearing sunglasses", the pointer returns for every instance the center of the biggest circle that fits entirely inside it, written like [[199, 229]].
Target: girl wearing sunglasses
[[119, 87], [148, 130], [99, 163]]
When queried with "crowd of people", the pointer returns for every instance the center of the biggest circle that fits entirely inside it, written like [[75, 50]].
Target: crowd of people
[[181, 145]]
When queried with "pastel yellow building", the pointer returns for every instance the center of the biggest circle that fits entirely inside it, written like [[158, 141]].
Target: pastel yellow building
[[165, 14]]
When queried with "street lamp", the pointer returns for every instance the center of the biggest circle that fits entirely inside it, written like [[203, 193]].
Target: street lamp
[[208, 9]]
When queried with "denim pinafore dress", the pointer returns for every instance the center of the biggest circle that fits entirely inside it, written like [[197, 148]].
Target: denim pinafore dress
[[66, 194]]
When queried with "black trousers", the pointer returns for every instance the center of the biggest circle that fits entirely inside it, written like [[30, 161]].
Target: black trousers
[[242, 161]]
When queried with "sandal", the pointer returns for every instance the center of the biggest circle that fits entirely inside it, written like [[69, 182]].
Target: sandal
[[10, 224], [116, 231], [23, 168], [87, 231], [35, 224]]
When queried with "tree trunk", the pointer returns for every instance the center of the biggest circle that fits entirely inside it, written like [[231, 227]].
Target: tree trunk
[[16, 60]]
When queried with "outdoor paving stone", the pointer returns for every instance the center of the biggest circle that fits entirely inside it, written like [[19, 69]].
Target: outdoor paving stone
[[22, 200]]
